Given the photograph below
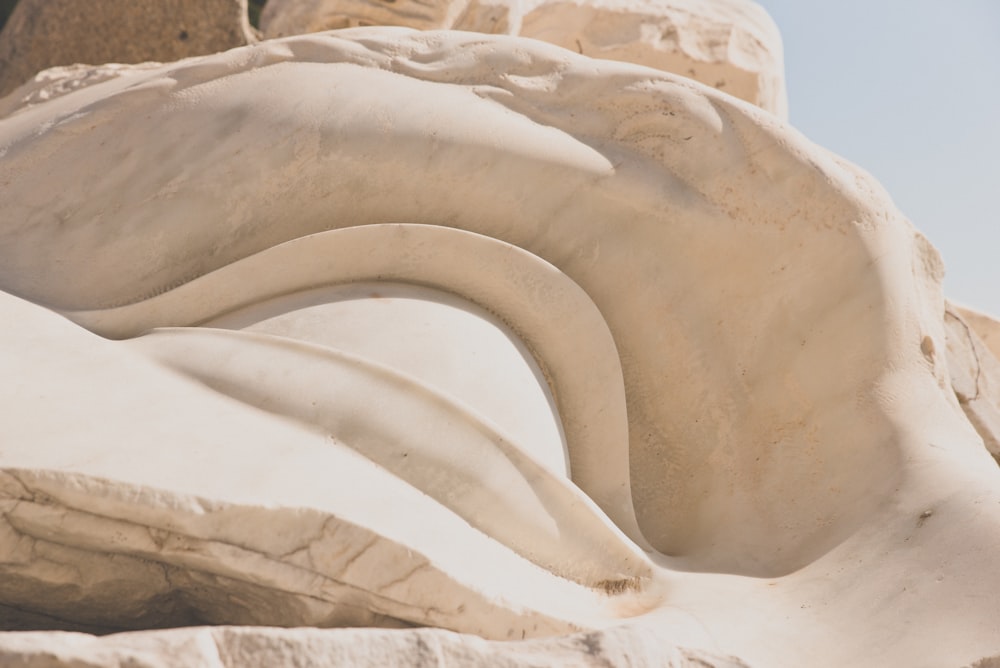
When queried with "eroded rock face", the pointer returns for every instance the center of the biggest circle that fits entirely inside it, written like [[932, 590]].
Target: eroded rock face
[[757, 450], [731, 45], [45, 33]]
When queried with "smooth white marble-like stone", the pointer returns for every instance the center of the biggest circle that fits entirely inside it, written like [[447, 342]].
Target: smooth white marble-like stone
[[741, 336]]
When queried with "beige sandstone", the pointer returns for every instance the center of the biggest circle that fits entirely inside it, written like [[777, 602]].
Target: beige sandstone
[[45, 33], [389, 328]]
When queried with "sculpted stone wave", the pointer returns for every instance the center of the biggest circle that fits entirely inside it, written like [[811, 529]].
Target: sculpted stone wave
[[477, 333]]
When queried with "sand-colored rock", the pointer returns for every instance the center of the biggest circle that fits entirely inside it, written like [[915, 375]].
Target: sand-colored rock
[[731, 45], [45, 33], [756, 451]]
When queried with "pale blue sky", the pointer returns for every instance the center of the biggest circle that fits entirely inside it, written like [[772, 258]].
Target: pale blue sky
[[910, 91]]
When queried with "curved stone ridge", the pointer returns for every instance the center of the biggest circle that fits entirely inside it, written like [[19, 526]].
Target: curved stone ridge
[[550, 313]]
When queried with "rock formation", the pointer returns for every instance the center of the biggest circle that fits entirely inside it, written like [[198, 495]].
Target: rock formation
[[573, 360]]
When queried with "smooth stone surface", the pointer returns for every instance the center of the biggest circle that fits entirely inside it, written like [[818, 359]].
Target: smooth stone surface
[[281, 522], [44, 33], [779, 468], [432, 336]]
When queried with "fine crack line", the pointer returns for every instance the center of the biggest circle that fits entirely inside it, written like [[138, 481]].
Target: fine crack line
[[403, 578], [347, 565], [972, 346]]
